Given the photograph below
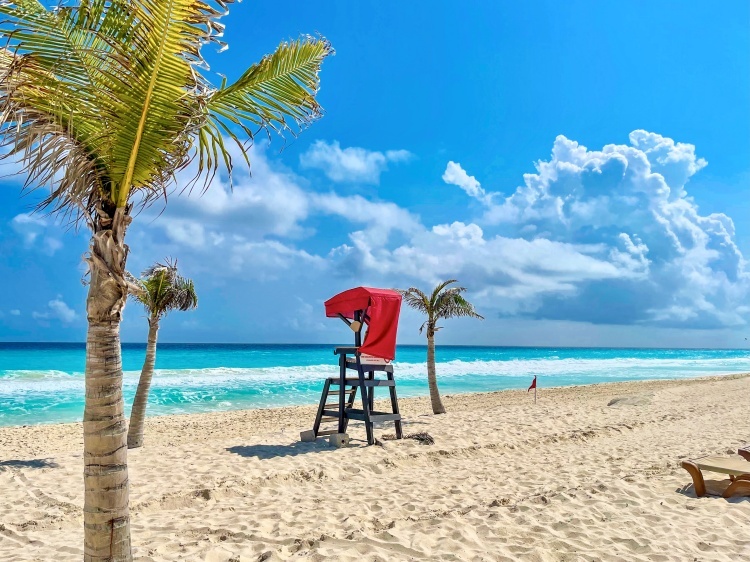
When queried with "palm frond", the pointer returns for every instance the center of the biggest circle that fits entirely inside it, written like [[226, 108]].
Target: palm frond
[[444, 302], [280, 88], [452, 305], [166, 290], [53, 98], [106, 99], [185, 297], [436, 291], [278, 93], [155, 128], [415, 299]]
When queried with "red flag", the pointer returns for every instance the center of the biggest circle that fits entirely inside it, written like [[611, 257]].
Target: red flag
[[533, 384]]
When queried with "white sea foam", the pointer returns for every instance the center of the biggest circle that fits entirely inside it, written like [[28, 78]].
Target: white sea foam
[[588, 370]]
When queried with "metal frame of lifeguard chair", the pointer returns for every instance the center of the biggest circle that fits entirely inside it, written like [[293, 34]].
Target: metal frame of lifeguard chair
[[365, 382]]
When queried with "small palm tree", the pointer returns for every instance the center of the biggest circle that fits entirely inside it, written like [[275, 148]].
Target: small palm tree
[[103, 103], [445, 302], [164, 290]]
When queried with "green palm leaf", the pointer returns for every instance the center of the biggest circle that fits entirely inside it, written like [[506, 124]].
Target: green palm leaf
[[154, 129], [117, 87], [276, 93], [164, 289], [443, 302]]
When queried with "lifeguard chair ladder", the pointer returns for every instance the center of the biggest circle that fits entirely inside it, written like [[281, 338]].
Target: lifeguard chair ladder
[[364, 382]]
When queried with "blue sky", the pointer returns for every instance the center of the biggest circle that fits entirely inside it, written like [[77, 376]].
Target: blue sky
[[582, 167]]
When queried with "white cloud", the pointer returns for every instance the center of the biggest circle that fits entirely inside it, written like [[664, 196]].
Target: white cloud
[[602, 236], [271, 201], [56, 310], [509, 274], [225, 230], [29, 226], [268, 259], [380, 218], [15, 312], [351, 164], [250, 230], [455, 175], [632, 200], [37, 230]]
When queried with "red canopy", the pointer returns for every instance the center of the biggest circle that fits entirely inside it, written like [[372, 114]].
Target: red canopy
[[381, 308]]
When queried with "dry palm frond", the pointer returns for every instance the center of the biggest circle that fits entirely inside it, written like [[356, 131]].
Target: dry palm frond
[[423, 437]]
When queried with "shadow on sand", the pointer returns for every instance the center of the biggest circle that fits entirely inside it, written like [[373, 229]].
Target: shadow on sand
[[272, 451], [33, 463], [715, 488]]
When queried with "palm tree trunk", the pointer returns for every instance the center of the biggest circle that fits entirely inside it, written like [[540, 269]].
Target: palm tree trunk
[[437, 404], [138, 414], [106, 519]]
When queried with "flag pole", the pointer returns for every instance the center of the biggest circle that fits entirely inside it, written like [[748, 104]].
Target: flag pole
[[534, 391]]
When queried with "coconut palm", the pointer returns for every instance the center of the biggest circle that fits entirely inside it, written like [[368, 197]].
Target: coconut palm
[[103, 103], [164, 290], [444, 302]]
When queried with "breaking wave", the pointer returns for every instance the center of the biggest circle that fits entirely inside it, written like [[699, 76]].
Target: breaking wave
[[44, 396]]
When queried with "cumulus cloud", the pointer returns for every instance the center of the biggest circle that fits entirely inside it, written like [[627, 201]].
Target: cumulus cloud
[[631, 201], [37, 231], [606, 236], [455, 175], [380, 218], [56, 309], [252, 228], [351, 164], [510, 274], [225, 230], [271, 201], [268, 259]]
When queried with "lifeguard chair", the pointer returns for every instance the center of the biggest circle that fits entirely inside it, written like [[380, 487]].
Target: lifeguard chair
[[378, 309]]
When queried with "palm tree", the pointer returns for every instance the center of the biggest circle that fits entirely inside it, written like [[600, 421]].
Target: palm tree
[[164, 290], [103, 103], [445, 302]]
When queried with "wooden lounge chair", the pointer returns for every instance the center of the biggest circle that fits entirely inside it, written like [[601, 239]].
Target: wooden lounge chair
[[737, 468]]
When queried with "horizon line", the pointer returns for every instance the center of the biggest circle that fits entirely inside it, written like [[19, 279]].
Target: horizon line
[[397, 345]]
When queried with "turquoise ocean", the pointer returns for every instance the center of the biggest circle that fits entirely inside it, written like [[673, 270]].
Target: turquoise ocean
[[43, 383]]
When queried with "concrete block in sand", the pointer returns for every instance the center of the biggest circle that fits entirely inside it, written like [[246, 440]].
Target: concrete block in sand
[[308, 436], [339, 439]]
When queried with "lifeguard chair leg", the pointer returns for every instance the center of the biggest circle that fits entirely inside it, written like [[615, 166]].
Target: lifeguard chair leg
[[394, 406], [321, 407], [366, 393], [342, 393], [371, 376]]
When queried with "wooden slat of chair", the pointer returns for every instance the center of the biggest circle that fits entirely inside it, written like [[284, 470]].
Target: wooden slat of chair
[[740, 487], [737, 485]]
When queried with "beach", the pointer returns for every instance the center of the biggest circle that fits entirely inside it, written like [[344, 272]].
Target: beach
[[588, 473]]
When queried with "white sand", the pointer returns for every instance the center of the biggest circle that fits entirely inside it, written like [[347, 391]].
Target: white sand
[[569, 479]]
